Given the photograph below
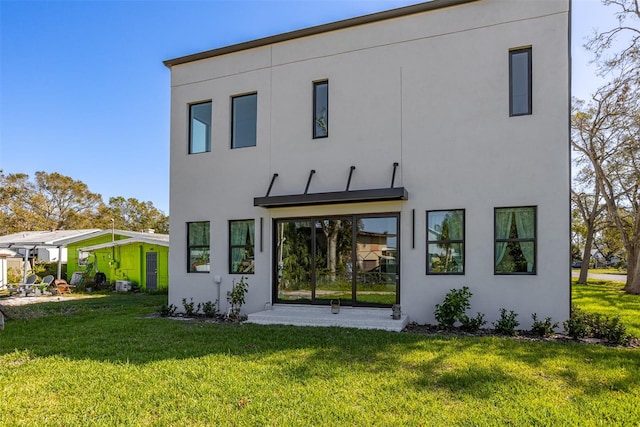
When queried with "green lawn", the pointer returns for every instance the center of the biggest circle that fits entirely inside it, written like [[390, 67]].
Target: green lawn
[[102, 362], [608, 298]]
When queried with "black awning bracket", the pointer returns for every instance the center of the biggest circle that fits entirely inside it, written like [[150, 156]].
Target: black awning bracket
[[349, 180], [311, 172], [393, 177], [273, 178]]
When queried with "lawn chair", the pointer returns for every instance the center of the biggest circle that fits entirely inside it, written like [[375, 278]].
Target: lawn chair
[[61, 287], [23, 288], [46, 282]]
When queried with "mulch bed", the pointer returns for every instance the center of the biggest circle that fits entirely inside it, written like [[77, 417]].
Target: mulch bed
[[416, 328]]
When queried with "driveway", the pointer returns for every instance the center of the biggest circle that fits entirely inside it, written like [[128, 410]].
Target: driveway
[[622, 278]]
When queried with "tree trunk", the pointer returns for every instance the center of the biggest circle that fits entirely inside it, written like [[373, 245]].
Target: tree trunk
[[633, 270], [586, 257], [332, 243]]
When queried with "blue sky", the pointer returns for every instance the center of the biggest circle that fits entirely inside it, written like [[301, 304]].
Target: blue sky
[[83, 90]]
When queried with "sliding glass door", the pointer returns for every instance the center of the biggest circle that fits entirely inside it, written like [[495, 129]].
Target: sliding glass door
[[377, 255], [351, 258]]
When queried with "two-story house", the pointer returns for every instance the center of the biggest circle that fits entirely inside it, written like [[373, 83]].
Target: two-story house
[[379, 160]]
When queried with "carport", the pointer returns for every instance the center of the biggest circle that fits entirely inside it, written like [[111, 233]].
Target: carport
[[25, 243]]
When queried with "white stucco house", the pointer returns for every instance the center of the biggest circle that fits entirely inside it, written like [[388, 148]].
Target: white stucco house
[[380, 160]]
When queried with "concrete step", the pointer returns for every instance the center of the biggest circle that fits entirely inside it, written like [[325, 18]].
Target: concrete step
[[348, 317]]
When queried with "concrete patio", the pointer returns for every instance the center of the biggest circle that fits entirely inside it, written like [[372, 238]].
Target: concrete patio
[[348, 317]]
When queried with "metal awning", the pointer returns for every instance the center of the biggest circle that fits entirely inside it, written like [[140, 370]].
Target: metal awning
[[332, 197], [356, 196]]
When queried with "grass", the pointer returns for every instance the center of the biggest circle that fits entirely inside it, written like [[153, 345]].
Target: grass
[[608, 298], [104, 362], [604, 270]]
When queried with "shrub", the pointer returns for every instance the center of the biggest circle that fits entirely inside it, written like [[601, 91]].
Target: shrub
[[210, 309], [167, 310], [235, 297], [453, 308], [582, 325], [615, 331], [189, 307], [507, 323], [472, 324], [542, 328], [577, 326]]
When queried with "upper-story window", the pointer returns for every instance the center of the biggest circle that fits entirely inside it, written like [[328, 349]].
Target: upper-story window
[[200, 127], [321, 109], [445, 242], [198, 251], [515, 240], [244, 116], [520, 82]]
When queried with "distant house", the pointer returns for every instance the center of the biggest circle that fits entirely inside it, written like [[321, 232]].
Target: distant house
[[46, 246], [429, 144], [137, 257], [141, 258]]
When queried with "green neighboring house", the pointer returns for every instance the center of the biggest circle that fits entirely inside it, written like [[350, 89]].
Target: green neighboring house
[[141, 258]]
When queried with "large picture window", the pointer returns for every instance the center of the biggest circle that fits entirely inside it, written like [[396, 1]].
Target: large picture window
[[515, 240], [200, 128], [198, 255], [321, 109], [241, 246], [244, 118], [445, 242], [520, 82]]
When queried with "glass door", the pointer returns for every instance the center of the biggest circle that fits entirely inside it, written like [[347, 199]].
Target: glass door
[[333, 266], [377, 261], [294, 262], [351, 258]]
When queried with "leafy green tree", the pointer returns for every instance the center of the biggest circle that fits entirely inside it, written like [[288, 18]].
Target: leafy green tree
[[132, 214], [606, 130], [49, 202], [52, 201]]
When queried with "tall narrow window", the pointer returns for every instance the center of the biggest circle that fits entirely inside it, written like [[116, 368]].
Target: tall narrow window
[[200, 128], [520, 82], [321, 109], [198, 256], [515, 240], [445, 242], [241, 246], [244, 118]]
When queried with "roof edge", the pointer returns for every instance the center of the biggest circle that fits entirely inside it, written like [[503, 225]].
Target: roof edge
[[318, 29]]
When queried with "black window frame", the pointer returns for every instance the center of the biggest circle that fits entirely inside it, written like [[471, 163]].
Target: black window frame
[[311, 221], [232, 246], [533, 240], [316, 86], [233, 120], [529, 51], [460, 241], [210, 127], [190, 265]]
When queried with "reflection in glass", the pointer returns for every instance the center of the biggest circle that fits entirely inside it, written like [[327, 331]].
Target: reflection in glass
[[200, 128], [326, 259], [294, 261], [333, 264], [198, 246], [320, 109], [241, 238], [376, 260], [445, 241]]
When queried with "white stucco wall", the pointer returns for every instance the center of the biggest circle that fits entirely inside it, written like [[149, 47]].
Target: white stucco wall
[[429, 91]]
